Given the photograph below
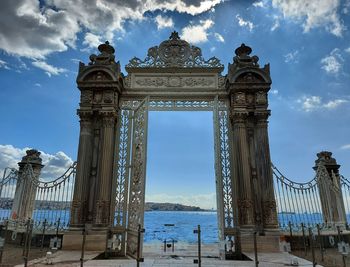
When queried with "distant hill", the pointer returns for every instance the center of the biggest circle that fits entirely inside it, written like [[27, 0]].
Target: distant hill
[[152, 206], [6, 203]]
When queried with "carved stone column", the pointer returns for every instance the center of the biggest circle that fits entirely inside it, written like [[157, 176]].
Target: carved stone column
[[242, 170], [105, 171], [24, 200], [100, 83], [80, 197], [264, 173], [329, 186], [248, 85]]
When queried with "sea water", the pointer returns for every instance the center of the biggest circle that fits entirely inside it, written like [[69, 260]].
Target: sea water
[[176, 225], [179, 226]]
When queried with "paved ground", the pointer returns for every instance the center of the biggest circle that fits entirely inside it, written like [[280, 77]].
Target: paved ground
[[156, 257]]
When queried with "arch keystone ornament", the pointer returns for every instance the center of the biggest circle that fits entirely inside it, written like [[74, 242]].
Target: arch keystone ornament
[[110, 182]]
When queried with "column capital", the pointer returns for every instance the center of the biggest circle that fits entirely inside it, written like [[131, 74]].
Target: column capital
[[84, 114], [262, 116], [108, 122], [238, 116]]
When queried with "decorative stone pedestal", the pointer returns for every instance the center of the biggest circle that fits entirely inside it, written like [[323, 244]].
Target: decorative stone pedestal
[[95, 241], [267, 243]]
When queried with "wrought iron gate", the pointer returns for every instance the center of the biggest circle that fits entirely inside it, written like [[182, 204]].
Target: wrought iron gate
[[131, 173]]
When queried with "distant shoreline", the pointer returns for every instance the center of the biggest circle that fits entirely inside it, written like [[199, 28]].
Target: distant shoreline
[[153, 206]]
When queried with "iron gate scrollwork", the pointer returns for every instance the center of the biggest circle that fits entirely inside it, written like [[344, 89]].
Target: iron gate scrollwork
[[137, 177], [223, 159]]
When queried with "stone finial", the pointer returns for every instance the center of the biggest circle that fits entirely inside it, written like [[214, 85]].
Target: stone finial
[[328, 161], [106, 48], [174, 36], [32, 156], [326, 158], [106, 56], [243, 50], [243, 58]]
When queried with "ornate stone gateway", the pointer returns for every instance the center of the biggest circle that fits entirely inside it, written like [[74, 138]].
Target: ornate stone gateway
[[110, 183]]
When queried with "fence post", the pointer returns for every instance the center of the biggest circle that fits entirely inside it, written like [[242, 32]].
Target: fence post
[[139, 258], [198, 232], [304, 238], [312, 247], [290, 234], [255, 250], [83, 247], [332, 202], [3, 245], [43, 235], [320, 240], [24, 199], [27, 243]]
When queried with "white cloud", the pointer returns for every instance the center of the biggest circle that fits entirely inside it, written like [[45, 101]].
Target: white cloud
[[4, 65], [164, 22], [92, 40], [292, 57], [244, 23], [276, 24], [204, 201], [274, 92], [30, 30], [345, 146], [347, 50], [333, 63], [334, 103], [346, 7], [197, 33], [38, 84], [212, 49], [219, 37], [55, 165], [313, 103], [259, 4], [49, 69], [313, 14]]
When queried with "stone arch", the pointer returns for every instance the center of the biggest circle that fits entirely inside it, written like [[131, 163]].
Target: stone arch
[[252, 75], [97, 74]]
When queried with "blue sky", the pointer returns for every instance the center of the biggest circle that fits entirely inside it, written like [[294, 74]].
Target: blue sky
[[306, 42]]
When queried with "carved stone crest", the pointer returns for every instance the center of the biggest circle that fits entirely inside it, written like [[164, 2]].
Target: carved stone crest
[[240, 98], [261, 98], [174, 52], [175, 81], [86, 97]]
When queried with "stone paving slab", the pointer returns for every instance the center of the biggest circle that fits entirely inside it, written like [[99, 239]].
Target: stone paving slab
[[71, 259]]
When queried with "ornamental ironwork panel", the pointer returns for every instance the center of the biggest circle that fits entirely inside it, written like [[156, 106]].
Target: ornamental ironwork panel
[[122, 168], [223, 171], [174, 52], [137, 178]]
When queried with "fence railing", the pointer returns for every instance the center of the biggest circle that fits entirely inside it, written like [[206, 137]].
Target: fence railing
[[53, 198], [299, 205]]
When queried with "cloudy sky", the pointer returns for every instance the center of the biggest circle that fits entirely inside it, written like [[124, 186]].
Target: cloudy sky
[[306, 42]]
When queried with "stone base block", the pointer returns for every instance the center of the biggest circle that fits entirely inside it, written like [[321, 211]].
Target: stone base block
[[267, 243], [93, 241]]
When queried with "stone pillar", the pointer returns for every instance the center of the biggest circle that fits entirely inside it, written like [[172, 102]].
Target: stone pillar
[[24, 200], [264, 172], [329, 186], [80, 197], [242, 170], [248, 85], [105, 171], [100, 83]]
